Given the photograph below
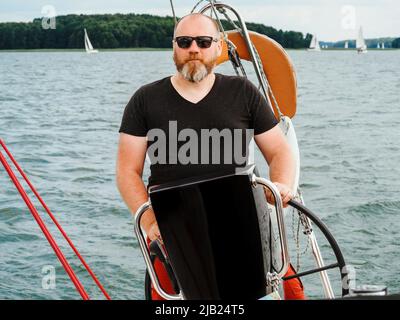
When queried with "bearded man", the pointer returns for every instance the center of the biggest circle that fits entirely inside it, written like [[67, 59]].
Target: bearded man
[[195, 99]]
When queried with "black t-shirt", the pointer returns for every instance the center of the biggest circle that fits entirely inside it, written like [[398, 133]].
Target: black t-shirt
[[181, 133]]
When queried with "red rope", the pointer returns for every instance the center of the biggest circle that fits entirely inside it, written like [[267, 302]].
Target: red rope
[[52, 242], [89, 270], [45, 231]]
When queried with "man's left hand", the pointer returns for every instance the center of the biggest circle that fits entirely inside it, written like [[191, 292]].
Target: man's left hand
[[285, 192]]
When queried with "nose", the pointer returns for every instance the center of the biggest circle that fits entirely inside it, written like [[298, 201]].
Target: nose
[[194, 47]]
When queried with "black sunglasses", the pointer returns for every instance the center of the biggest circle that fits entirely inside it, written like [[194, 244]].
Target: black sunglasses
[[203, 42]]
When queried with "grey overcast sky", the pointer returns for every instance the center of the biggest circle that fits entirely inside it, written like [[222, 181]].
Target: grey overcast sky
[[330, 20]]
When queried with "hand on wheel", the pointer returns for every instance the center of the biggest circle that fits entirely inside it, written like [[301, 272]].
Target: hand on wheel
[[285, 192]]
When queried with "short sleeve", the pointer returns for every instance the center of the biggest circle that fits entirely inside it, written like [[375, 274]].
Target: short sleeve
[[133, 120], [262, 116]]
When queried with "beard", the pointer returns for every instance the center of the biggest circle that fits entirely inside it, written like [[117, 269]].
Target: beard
[[193, 68]]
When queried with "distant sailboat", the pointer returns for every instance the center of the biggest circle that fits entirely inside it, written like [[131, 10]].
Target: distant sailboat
[[360, 43], [314, 44], [346, 45], [383, 46], [88, 44], [378, 46]]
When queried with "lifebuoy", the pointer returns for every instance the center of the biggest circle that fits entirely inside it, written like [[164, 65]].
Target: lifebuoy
[[277, 67]]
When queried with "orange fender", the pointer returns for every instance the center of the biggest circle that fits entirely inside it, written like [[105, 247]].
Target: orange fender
[[163, 278], [293, 288], [277, 67]]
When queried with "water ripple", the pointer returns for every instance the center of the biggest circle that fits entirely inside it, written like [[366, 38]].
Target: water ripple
[[62, 126]]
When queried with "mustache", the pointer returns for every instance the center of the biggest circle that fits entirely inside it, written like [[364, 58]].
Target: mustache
[[193, 57]]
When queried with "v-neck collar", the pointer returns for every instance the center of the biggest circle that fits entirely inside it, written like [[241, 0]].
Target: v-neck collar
[[206, 97]]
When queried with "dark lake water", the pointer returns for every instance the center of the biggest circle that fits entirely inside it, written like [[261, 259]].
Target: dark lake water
[[60, 113]]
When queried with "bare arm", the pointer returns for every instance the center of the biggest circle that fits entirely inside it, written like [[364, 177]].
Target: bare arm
[[277, 153], [130, 162]]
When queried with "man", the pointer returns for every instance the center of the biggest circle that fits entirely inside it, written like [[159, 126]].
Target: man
[[194, 98]]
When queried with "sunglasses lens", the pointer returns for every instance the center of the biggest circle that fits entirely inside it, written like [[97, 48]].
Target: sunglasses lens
[[184, 42], [204, 42]]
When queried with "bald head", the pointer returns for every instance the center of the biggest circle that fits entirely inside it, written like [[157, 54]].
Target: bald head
[[196, 62], [198, 22]]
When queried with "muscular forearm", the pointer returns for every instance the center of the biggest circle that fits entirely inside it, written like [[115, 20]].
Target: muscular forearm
[[133, 192], [282, 167]]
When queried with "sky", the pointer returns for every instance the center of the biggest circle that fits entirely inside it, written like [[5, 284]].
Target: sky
[[331, 20]]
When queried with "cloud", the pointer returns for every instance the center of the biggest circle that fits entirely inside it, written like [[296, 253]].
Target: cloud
[[323, 17], [327, 19]]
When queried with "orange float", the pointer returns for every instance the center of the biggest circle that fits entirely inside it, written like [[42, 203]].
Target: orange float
[[277, 67]]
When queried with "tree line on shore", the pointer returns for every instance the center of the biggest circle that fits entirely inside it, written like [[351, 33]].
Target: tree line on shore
[[115, 31]]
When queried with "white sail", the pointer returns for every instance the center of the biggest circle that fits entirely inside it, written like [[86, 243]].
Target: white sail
[[383, 45], [314, 44], [360, 42], [88, 44], [346, 45], [378, 46]]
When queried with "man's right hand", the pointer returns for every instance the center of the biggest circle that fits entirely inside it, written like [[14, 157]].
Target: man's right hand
[[153, 232]]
